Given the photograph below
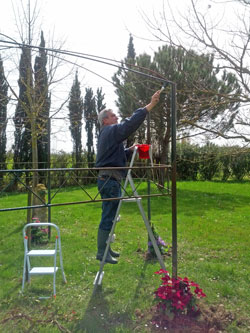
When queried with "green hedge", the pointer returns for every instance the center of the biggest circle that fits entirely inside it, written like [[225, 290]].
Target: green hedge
[[212, 162], [208, 162], [187, 161]]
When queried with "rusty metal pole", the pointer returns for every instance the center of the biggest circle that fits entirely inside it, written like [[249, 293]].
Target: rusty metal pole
[[148, 171], [29, 218], [28, 233], [148, 174], [173, 162], [49, 174]]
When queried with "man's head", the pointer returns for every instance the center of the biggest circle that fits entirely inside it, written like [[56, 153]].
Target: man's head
[[107, 117]]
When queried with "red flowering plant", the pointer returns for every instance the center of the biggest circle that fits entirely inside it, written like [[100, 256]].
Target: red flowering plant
[[39, 235], [177, 296]]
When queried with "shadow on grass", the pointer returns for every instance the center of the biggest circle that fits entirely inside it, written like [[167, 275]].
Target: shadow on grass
[[195, 202], [13, 263], [97, 317], [18, 229]]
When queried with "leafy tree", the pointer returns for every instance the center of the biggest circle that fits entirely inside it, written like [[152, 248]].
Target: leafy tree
[[90, 121], [75, 115], [25, 148], [227, 40], [3, 117], [42, 101], [201, 94], [33, 99]]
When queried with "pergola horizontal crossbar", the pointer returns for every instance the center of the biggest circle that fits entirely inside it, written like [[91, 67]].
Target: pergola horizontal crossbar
[[16, 173], [160, 166], [83, 202]]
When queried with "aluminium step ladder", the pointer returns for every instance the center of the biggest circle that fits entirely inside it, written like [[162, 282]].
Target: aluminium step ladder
[[51, 270], [136, 198]]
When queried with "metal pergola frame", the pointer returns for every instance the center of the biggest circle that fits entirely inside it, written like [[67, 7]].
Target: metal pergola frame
[[164, 82]]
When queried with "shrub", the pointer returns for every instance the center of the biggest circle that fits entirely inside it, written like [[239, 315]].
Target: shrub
[[225, 162], [60, 160], [239, 165], [187, 161], [209, 164]]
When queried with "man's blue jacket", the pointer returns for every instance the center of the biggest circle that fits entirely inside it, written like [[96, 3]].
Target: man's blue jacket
[[110, 148]]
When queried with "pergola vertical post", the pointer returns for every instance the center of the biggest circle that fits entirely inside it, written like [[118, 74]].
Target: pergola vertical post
[[148, 174], [173, 174], [49, 173], [148, 171]]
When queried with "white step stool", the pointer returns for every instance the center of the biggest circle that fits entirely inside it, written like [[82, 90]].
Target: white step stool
[[51, 270]]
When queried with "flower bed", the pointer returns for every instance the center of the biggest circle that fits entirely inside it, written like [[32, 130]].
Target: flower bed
[[175, 297]]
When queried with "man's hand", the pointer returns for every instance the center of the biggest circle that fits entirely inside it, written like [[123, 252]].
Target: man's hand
[[154, 100], [132, 148]]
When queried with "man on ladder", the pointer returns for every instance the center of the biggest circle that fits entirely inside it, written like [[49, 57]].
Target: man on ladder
[[111, 153]]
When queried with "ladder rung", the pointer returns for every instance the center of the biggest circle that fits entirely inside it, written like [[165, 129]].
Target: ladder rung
[[42, 270], [100, 278], [131, 199], [42, 253]]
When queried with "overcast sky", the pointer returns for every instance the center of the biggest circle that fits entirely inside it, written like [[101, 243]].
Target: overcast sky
[[98, 27], [95, 27]]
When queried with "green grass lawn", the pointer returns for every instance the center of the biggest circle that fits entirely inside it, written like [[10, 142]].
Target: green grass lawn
[[213, 250]]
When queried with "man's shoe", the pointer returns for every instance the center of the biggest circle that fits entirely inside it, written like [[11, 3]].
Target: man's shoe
[[113, 253], [109, 259]]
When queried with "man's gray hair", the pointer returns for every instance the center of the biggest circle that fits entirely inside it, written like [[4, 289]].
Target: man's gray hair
[[102, 115]]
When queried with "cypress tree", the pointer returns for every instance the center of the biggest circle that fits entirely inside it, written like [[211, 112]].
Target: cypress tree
[[22, 145], [100, 105], [90, 121], [42, 103], [3, 117], [131, 51], [75, 116], [128, 99]]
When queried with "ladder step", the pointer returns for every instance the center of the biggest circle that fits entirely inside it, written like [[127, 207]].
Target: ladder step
[[100, 278], [113, 237], [42, 253], [131, 199], [42, 270]]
